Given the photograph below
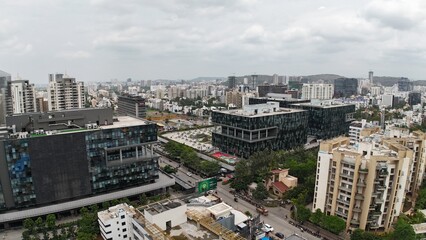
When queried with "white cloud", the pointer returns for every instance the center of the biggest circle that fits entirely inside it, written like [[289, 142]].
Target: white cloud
[[75, 54]]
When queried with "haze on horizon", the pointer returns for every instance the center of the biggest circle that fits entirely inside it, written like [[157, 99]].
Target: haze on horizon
[[100, 40]]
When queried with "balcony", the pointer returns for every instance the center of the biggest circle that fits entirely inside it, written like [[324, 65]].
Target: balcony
[[355, 221], [376, 213], [357, 209], [363, 170], [379, 200], [359, 196], [372, 208], [361, 184]]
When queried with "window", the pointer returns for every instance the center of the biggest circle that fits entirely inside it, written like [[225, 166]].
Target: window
[[124, 230], [123, 223], [124, 236]]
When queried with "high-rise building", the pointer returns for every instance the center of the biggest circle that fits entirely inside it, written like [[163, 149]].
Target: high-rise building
[[174, 92], [366, 184], [370, 77], [63, 160], [23, 96], [345, 87], [42, 105], [5, 97], [257, 127], [414, 98], [327, 119], [275, 79], [232, 82], [405, 85], [131, 106], [235, 98], [65, 93], [317, 91]]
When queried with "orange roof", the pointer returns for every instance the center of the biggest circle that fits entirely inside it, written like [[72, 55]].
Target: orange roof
[[280, 186]]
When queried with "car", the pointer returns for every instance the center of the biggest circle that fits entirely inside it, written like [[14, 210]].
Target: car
[[279, 235], [268, 228], [189, 174]]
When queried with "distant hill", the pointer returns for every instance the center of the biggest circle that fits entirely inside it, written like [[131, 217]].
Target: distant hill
[[325, 77], [386, 81]]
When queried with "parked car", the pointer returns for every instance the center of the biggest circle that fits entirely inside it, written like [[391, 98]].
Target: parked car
[[279, 235], [268, 228]]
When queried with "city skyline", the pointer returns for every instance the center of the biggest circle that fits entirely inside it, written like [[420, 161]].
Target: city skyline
[[99, 40]]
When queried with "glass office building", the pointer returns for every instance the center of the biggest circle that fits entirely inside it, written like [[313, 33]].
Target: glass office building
[[50, 166], [327, 119], [258, 127]]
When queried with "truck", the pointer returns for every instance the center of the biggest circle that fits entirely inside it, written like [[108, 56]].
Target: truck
[[262, 211]]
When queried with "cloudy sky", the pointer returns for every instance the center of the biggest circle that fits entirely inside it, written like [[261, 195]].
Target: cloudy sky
[[99, 40]]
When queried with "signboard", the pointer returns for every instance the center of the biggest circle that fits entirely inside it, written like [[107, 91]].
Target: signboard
[[206, 185]]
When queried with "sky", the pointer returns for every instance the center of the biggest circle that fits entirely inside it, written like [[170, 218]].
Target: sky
[[100, 40]]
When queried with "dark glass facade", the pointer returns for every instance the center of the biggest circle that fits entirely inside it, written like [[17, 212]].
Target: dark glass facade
[[345, 87], [284, 103], [243, 135], [131, 106], [60, 167], [328, 121], [414, 98]]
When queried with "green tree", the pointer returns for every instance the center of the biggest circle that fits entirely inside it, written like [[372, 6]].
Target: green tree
[[403, 230], [105, 205], [334, 224], [143, 200], [51, 221], [302, 213], [316, 217], [29, 225], [260, 193], [39, 224]]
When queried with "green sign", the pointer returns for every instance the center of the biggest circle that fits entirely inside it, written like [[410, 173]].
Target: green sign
[[206, 185]]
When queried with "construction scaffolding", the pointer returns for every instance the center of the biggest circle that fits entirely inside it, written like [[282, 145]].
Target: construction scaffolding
[[210, 224]]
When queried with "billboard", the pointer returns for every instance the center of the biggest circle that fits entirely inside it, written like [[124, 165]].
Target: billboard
[[206, 185]]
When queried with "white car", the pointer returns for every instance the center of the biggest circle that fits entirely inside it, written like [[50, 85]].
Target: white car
[[268, 228]]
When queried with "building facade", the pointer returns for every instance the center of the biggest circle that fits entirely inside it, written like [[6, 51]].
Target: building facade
[[345, 87], [258, 127], [23, 97], [366, 184], [71, 160], [131, 106], [327, 119], [65, 93], [234, 98], [283, 102], [5, 97], [317, 91], [263, 90], [414, 98]]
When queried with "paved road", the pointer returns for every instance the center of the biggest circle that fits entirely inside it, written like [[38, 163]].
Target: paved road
[[275, 217], [182, 172]]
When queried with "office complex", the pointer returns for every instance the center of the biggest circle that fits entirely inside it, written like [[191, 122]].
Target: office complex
[[5, 97], [317, 91], [367, 183], [414, 98], [257, 127], [58, 161], [65, 93], [345, 87], [283, 102], [263, 90], [131, 106], [405, 85], [23, 96], [327, 119]]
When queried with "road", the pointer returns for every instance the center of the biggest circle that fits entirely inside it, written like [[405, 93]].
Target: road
[[182, 172], [275, 217]]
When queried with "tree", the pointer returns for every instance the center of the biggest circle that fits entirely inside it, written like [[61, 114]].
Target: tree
[[51, 221], [403, 230], [39, 224], [143, 200], [261, 192], [316, 217], [105, 205], [29, 225], [334, 224], [302, 213]]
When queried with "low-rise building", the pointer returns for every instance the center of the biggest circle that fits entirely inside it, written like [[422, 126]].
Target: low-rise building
[[280, 181]]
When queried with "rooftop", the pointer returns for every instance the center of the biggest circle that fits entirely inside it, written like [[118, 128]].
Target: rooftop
[[162, 206], [260, 110], [112, 212], [322, 104], [219, 208], [125, 121]]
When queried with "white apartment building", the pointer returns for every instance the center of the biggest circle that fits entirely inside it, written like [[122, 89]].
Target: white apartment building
[[361, 128], [123, 222], [23, 96], [376, 91], [366, 184], [65, 93], [317, 91], [116, 222]]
